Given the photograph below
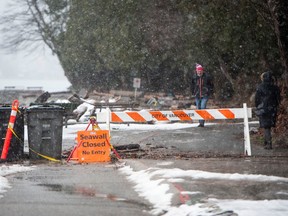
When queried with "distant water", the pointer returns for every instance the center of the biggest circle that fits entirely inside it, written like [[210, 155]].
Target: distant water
[[45, 85]]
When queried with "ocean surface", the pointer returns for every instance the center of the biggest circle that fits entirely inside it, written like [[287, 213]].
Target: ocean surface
[[45, 85]]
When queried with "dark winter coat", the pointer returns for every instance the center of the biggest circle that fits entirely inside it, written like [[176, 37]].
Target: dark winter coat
[[202, 86], [267, 100]]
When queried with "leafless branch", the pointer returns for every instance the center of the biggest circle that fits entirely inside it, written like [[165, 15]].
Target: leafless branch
[[29, 23]]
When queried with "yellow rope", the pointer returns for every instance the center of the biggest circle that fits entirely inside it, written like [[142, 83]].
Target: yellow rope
[[46, 157], [12, 130]]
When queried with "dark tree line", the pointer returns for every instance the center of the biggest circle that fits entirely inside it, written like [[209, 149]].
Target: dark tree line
[[104, 44]]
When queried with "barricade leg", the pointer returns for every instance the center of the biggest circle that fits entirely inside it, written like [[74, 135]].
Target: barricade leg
[[247, 144]]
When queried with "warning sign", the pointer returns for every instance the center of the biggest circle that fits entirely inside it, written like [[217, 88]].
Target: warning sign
[[94, 146], [136, 82]]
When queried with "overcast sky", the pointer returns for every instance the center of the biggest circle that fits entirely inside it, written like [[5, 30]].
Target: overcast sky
[[40, 68]]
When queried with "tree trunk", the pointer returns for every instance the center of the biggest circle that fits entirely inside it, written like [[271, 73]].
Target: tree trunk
[[224, 70]]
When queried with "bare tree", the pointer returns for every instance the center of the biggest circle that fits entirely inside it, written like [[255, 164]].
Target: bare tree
[[29, 23], [275, 12]]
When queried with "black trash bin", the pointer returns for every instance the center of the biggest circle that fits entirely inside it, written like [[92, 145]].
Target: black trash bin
[[16, 148], [45, 127]]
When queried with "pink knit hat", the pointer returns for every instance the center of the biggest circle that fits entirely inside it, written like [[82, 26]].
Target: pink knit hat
[[199, 67]]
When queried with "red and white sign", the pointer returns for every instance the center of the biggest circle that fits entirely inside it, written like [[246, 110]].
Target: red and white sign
[[136, 82]]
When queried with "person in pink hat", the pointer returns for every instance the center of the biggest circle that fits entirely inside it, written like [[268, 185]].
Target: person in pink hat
[[202, 87]]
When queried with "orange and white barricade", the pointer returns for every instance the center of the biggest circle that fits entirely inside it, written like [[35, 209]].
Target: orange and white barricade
[[180, 115]]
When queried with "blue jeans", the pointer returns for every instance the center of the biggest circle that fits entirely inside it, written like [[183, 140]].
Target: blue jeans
[[201, 104]]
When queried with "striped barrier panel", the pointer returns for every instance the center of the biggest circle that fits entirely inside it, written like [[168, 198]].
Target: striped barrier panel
[[180, 115], [173, 115]]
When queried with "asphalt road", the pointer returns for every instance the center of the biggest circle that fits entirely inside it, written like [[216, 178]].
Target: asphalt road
[[99, 189], [214, 140]]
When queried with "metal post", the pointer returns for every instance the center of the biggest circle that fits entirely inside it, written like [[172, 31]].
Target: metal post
[[108, 119], [135, 94]]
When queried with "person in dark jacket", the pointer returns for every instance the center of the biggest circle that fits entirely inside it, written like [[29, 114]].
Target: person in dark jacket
[[267, 100], [202, 88]]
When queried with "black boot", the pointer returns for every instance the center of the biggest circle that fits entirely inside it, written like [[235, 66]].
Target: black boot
[[267, 138], [265, 145], [268, 145]]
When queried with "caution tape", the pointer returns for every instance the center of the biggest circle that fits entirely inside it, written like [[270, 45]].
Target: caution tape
[[12, 130], [41, 155], [44, 156], [18, 110]]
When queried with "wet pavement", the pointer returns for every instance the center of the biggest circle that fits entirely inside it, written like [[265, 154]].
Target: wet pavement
[[90, 189], [100, 189]]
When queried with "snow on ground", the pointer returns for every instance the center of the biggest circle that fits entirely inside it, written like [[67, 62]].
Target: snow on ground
[[7, 170], [156, 191]]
